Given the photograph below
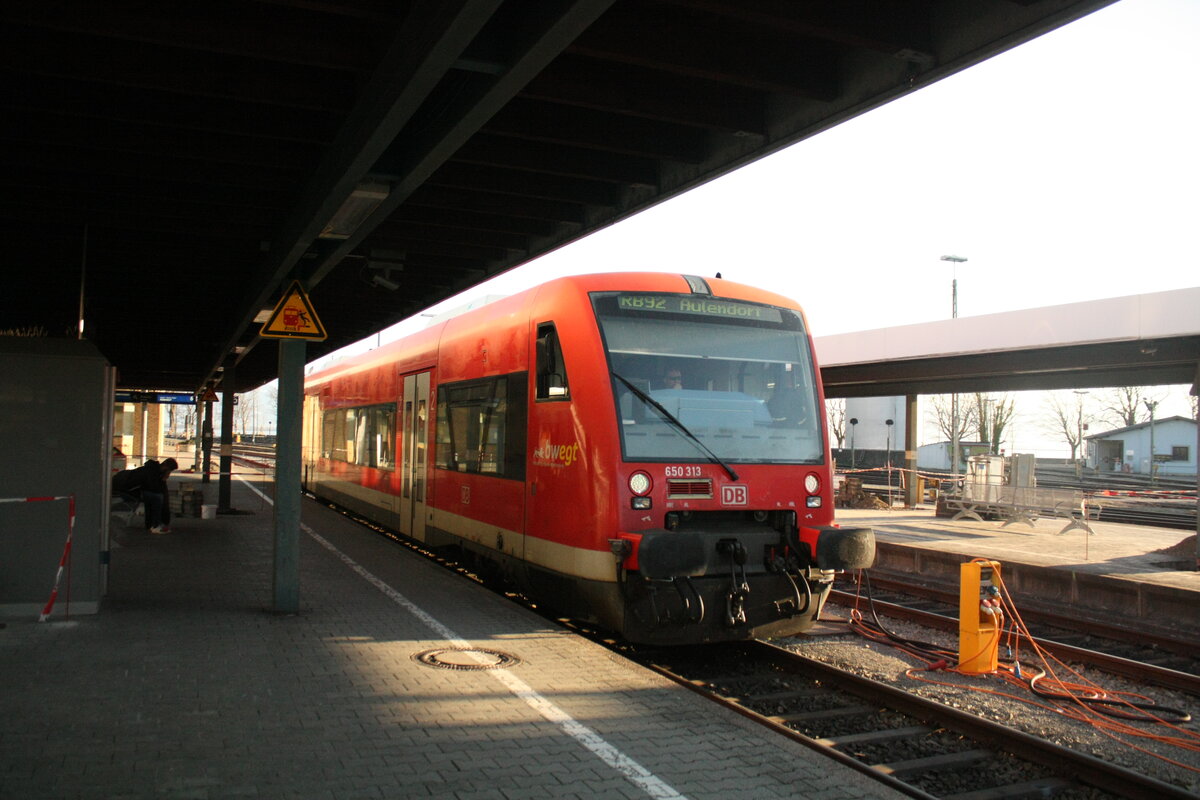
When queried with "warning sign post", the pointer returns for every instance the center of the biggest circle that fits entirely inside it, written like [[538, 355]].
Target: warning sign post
[[294, 318]]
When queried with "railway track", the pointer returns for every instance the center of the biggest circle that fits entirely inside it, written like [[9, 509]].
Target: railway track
[[261, 453], [1179, 514], [916, 746], [913, 745], [1145, 665], [1180, 653]]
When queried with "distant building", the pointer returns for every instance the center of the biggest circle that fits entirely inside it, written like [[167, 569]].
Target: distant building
[[938, 454], [872, 432], [1128, 449]]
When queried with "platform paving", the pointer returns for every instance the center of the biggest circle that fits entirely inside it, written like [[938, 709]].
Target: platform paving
[[1139, 552], [186, 685]]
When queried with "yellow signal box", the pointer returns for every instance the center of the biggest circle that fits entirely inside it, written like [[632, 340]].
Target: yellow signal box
[[980, 618]]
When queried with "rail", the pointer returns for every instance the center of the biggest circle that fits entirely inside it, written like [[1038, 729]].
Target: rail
[[758, 664]]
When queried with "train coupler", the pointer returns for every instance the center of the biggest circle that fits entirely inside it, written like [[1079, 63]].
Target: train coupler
[[739, 587], [735, 608], [797, 604], [693, 603]]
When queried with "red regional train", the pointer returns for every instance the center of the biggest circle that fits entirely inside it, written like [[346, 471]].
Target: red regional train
[[638, 450]]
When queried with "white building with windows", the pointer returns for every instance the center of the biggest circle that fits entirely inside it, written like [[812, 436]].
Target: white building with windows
[[1171, 440]]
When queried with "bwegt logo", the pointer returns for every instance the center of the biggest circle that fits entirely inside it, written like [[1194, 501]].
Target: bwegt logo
[[549, 454]]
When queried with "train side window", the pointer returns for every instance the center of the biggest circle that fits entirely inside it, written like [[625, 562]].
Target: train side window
[[362, 436], [481, 426], [551, 370], [381, 428]]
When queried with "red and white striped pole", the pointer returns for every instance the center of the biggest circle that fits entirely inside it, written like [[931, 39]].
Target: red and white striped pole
[[64, 563]]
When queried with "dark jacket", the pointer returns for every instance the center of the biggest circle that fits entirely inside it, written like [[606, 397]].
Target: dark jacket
[[146, 478]]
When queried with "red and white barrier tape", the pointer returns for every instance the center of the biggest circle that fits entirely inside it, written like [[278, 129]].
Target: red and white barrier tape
[[1164, 494], [64, 563]]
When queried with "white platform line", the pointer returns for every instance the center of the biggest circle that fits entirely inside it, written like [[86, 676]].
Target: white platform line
[[633, 771]]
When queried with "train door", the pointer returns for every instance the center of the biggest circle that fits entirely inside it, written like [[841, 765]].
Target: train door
[[414, 463], [554, 477], [311, 438]]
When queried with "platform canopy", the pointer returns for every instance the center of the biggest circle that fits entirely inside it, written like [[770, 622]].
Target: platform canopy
[[171, 168], [1139, 340]]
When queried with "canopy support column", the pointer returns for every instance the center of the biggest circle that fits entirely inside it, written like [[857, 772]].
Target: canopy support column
[[288, 428], [912, 493], [225, 473]]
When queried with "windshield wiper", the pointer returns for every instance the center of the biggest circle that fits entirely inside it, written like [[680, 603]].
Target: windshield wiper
[[669, 417]]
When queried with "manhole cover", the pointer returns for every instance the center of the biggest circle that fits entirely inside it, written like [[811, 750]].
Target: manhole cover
[[466, 658]]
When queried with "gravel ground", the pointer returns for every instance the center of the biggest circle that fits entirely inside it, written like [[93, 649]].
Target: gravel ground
[[888, 665]]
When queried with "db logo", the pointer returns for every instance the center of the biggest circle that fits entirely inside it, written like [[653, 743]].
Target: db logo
[[734, 496]]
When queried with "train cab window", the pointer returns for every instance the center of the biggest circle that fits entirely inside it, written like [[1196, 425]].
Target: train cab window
[[694, 377], [551, 370]]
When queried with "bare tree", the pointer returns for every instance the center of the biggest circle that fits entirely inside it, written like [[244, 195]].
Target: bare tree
[[272, 404], [835, 414], [242, 413], [941, 411], [1068, 418], [1122, 406], [991, 416]]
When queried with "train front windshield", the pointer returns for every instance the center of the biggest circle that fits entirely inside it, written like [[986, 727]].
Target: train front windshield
[[732, 376]]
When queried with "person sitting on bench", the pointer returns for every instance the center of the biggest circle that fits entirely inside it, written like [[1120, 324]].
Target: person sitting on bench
[[148, 483]]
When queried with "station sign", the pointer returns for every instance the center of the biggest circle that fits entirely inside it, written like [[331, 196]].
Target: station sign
[[162, 398], [294, 318]]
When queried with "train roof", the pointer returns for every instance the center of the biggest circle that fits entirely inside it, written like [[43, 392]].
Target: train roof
[[421, 347]]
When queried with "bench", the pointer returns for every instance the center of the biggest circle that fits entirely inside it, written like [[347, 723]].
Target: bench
[[124, 504]]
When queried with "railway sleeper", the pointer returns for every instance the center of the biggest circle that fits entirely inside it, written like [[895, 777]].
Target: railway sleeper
[[1026, 790], [872, 737], [938, 763], [823, 714]]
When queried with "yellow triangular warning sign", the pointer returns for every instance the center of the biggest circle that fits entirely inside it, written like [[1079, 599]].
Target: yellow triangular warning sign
[[294, 318]]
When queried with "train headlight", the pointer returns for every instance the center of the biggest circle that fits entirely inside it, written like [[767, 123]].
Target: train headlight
[[812, 483], [640, 483], [640, 503], [813, 501]]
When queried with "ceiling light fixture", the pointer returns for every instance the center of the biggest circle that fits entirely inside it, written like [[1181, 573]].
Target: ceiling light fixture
[[361, 203]]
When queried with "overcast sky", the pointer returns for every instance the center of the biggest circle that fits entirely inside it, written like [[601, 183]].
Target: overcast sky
[[1064, 170]]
